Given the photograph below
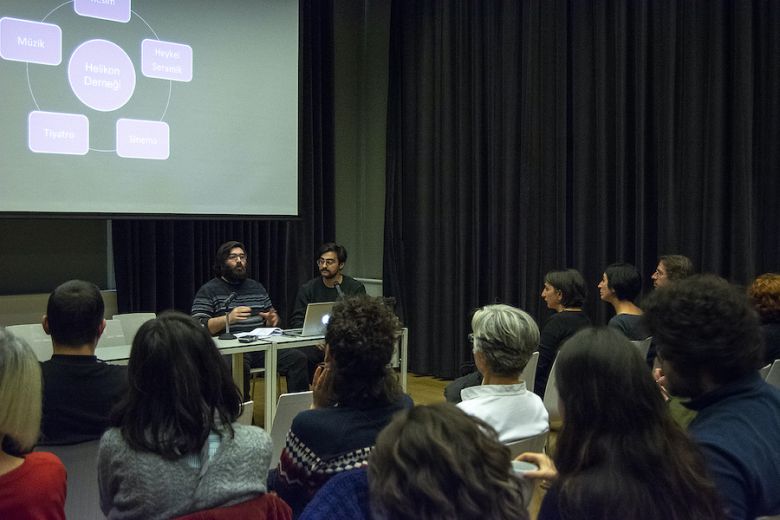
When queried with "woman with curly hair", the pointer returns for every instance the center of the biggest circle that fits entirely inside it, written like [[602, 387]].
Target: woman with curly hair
[[764, 294], [356, 393], [435, 462], [619, 453]]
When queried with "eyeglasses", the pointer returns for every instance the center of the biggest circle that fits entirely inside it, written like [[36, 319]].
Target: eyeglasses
[[234, 256], [326, 261]]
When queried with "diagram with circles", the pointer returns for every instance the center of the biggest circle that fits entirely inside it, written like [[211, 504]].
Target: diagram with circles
[[100, 73]]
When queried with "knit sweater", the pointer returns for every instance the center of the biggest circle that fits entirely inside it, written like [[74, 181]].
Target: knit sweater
[[136, 484]]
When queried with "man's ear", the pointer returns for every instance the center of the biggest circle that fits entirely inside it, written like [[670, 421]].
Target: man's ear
[[101, 328], [341, 266], [45, 324]]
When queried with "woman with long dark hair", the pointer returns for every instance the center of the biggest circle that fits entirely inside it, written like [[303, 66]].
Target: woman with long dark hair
[[175, 447], [619, 454]]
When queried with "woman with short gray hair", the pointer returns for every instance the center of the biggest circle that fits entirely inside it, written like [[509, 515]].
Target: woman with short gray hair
[[503, 339]]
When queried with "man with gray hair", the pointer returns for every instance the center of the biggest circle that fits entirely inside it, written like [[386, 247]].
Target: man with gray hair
[[503, 339]]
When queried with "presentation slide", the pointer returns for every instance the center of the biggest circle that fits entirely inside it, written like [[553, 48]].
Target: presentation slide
[[149, 107]]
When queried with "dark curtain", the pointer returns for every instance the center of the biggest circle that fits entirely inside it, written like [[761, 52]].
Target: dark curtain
[[525, 136], [160, 264]]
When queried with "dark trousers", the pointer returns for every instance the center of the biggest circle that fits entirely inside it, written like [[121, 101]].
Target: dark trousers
[[452, 390], [297, 365]]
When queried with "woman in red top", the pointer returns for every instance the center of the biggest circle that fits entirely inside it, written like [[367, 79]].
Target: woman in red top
[[32, 485]]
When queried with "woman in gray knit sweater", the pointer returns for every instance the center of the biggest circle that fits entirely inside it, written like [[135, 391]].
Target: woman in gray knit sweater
[[174, 448]]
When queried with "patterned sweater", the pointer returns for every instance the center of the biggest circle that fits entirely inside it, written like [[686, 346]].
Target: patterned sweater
[[327, 441]]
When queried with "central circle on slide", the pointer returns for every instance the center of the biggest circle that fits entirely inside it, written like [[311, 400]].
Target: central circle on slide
[[101, 74]]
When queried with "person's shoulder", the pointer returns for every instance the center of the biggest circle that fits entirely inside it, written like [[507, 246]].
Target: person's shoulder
[[253, 435], [44, 460], [350, 283]]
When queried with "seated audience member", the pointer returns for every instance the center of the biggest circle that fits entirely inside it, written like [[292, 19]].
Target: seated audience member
[[32, 485], [504, 339], [619, 454], [79, 390], [709, 348], [356, 394], [764, 294], [435, 462], [175, 447], [671, 268], [250, 307], [620, 286], [564, 292], [431, 462]]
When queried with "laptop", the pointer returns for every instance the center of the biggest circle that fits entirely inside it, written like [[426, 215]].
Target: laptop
[[315, 322]]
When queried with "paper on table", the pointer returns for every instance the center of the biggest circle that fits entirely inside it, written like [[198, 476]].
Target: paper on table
[[261, 332]]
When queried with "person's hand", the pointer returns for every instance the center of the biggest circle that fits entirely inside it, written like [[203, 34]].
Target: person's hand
[[321, 386], [239, 314], [660, 378], [546, 471], [271, 317]]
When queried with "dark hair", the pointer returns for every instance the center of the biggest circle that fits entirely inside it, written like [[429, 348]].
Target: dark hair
[[624, 279], [619, 453], [571, 284], [677, 266], [436, 462], [360, 337], [764, 294], [180, 388], [75, 312], [223, 252], [333, 247], [703, 324]]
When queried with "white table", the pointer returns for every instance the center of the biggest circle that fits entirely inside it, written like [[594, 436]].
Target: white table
[[270, 346]]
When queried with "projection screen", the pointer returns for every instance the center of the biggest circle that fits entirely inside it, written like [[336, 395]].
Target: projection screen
[[149, 107]]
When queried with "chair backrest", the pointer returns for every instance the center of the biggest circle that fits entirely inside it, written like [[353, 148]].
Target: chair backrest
[[80, 460], [773, 377], [643, 345], [535, 444], [529, 372], [288, 407], [247, 410], [551, 399], [113, 335], [267, 506], [132, 322], [764, 371], [36, 337]]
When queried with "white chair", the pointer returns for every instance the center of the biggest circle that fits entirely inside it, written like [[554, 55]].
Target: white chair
[[36, 337], [643, 345], [529, 372], [551, 400], [247, 411], [535, 444], [764, 371], [113, 335], [773, 377], [80, 460], [132, 322], [288, 407]]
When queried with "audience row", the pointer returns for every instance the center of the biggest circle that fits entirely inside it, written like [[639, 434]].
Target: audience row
[[173, 447]]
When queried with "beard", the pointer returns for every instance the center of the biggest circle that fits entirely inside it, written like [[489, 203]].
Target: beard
[[235, 274]]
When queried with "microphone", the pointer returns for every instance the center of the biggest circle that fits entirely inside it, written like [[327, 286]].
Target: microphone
[[338, 289], [227, 334]]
